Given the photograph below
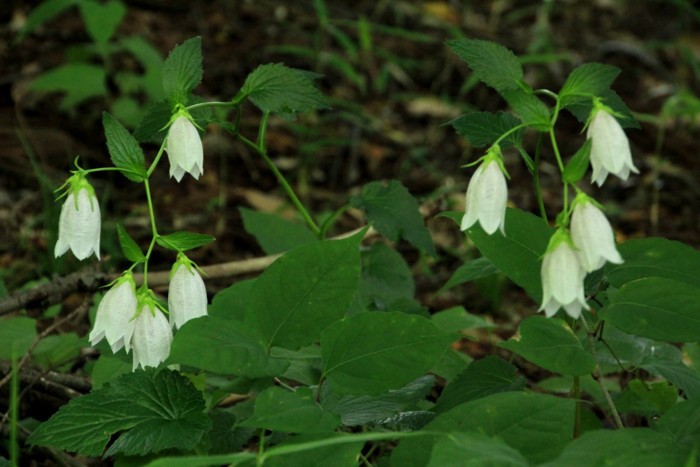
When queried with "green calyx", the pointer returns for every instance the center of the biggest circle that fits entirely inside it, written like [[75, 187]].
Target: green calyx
[[583, 198], [493, 154], [146, 298], [75, 183], [181, 111], [561, 235], [183, 260]]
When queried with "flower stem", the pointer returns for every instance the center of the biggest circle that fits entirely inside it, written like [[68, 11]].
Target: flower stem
[[157, 159], [536, 179], [154, 230], [211, 104]]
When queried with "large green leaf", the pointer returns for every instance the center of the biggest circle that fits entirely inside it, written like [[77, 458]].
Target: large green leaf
[[102, 19], [279, 89], [80, 81], [393, 211], [536, 425], [374, 352], [304, 291], [531, 110], [343, 455], [222, 346], [551, 344], [16, 334], [682, 423], [470, 271], [385, 278], [458, 449], [586, 81], [182, 71], [633, 447], [481, 378], [492, 63], [657, 308], [657, 257], [279, 409], [275, 234], [124, 149], [483, 128], [519, 254], [231, 303], [150, 411]]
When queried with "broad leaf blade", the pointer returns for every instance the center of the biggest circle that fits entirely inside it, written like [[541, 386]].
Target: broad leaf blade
[[374, 352], [532, 111], [492, 63], [129, 247], [279, 409], [124, 149], [182, 71], [470, 271], [279, 89], [586, 81], [481, 450], [183, 241], [482, 129], [393, 211], [275, 234]]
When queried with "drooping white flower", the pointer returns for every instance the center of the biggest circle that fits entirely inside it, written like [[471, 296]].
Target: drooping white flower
[[114, 319], [79, 223], [610, 148], [562, 277], [592, 235], [187, 296], [152, 337], [184, 147], [487, 195]]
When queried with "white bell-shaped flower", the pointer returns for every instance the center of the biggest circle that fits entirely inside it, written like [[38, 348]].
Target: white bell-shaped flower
[[184, 147], [187, 296], [487, 195], [562, 277], [79, 223], [592, 235], [115, 315], [152, 336], [610, 148]]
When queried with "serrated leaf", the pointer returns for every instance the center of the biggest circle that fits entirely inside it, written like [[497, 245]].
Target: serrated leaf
[[492, 63], [279, 409], [304, 291], [533, 112], [124, 150], [279, 89], [182, 71], [183, 241], [393, 211], [129, 247], [481, 378], [150, 411], [586, 81], [102, 19], [582, 109], [373, 352], [470, 271], [275, 234], [80, 81], [578, 164], [152, 126], [551, 344], [483, 128]]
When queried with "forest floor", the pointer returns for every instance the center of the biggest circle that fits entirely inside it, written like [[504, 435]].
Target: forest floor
[[392, 84]]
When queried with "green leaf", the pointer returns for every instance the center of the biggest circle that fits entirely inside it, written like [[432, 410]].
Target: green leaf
[[304, 291], [223, 347], [657, 257], [578, 164], [361, 410], [519, 254], [682, 423], [586, 81], [492, 63], [183, 241], [457, 319], [538, 426], [79, 81], [59, 350], [150, 411], [373, 352], [315, 455], [43, 13], [551, 344], [657, 308], [129, 247], [629, 447], [124, 149], [676, 372], [275, 234], [394, 213], [385, 279], [279, 89], [231, 303], [470, 271], [481, 378], [102, 19], [533, 112], [279, 409], [152, 129], [480, 450], [182, 71], [482, 129], [582, 109], [109, 366], [646, 399], [16, 334]]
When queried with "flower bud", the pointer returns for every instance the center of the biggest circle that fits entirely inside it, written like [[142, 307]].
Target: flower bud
[[152, 336], [487, 195], [592, 235], [187, 296], [562, 277], [184, 147], [115, 313], [79, 223], [610, 149]]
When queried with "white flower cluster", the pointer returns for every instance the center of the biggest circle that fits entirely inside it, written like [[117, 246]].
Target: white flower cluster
[[126, 317], [575, 250]]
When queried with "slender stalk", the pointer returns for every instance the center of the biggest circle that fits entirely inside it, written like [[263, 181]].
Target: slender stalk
[[260, 460], [211, 104], [154, 231], [536, 180], [157, 158]]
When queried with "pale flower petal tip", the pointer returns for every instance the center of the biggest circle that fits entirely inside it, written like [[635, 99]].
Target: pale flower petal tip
[[184, 148], [115, 313], [187, 295], [486, 199], [562, 279], [152, 338]]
